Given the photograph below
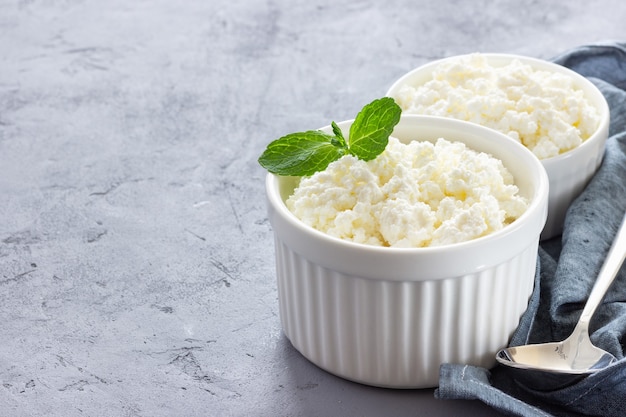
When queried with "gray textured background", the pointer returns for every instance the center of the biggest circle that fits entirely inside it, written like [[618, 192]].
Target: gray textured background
[[136, 259]]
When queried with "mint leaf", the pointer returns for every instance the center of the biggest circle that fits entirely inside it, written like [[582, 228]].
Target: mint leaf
[[305, 153], [370, 131], [301, 154], [339, 139]]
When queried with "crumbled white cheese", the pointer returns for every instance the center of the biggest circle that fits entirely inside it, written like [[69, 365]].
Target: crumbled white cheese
[[543, 110], [412, 195]]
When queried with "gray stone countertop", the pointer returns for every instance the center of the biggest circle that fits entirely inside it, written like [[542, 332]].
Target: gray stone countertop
[[136, 258]]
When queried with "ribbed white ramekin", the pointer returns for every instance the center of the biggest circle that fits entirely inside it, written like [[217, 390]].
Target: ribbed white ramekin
[[390, 317], [397, 333], [569, 172]]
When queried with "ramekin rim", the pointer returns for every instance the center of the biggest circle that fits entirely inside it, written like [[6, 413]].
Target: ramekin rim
[[533, 209], [605, 113]]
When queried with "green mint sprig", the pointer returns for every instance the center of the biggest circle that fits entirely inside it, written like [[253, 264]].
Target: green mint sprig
[[304, 153]]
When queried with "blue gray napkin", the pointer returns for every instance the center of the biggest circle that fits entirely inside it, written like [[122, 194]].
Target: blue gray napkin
[[567, 268]]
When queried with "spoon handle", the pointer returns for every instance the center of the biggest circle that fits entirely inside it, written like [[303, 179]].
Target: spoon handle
[[610, 268]]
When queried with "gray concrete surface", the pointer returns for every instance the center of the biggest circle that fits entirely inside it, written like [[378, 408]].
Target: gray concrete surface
[[136, 259]]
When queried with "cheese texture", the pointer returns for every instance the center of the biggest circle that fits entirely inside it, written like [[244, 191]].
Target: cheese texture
[[412, 195], [541, 109]]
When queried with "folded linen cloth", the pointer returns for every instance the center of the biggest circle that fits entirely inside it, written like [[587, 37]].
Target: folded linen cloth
[[567, 268]]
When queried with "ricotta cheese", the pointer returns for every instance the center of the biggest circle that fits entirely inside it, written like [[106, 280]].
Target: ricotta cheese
[[541, 109], [412, 195]]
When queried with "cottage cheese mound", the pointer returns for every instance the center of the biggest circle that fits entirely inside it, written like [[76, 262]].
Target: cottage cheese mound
[[541, 109], [412, 195]]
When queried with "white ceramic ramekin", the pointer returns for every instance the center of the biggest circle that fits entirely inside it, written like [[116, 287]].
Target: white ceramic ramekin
[[569, 172], [390, 316]]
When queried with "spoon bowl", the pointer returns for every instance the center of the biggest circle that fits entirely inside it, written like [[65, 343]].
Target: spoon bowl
[[575, 355], [557, 364]]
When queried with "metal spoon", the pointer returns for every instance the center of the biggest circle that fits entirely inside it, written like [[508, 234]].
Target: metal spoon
[[559, 363]]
